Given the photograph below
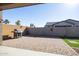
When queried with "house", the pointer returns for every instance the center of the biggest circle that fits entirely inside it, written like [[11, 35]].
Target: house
[[66, 23]]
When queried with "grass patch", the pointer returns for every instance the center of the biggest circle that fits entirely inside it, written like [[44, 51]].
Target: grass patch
[[71, 43]]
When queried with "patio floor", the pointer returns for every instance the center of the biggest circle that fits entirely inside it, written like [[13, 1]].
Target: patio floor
[[50, 45], [10, 51]]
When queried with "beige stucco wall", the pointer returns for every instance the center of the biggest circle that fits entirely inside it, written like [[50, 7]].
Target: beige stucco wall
[[7, 29]]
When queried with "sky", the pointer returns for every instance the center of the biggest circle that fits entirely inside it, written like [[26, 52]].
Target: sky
[[40, 14]]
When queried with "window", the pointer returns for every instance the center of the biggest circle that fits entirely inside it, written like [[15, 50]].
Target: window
[[64, 26]]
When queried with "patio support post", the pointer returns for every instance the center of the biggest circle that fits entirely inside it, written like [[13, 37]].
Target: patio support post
[[0, 27]]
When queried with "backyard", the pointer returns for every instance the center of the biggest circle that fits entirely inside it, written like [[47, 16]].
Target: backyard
[[43, 44]]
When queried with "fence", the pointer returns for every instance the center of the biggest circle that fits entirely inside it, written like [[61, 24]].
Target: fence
[[56, 31], [7, 30]]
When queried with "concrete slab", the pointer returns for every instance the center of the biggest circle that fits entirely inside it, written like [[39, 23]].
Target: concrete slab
[[10, 51]]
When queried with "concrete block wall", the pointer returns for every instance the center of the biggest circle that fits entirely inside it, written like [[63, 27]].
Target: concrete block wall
[[56, 31]]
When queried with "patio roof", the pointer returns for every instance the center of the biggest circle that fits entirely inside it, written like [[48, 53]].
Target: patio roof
[[4, 6]]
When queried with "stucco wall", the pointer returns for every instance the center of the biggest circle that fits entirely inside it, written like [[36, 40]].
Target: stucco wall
[[7, 29], [56, 31]]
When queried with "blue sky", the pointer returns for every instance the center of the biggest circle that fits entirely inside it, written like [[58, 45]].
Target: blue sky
[[42, 13]]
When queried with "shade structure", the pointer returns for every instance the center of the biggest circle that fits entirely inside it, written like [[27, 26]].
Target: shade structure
[[4, 6]]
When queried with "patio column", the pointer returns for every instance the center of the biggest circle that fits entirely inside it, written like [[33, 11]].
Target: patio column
[[0, 27]]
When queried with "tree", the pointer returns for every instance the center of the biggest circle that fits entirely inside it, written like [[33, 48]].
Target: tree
[[32, 25], [18, 22], [6, 21]]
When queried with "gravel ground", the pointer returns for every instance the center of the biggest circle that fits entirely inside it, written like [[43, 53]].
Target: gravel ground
[[76, 49], [50, 45]]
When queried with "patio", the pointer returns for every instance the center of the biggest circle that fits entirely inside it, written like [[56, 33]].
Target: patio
[[10, 51]]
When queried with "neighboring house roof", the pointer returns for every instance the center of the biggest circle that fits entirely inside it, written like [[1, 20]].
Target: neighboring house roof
[[74, 22], [50, 23], [69, 21]]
